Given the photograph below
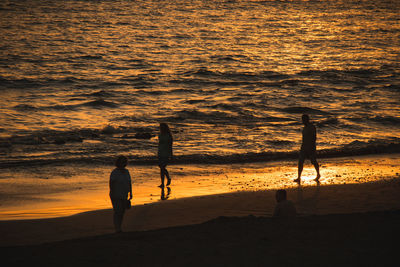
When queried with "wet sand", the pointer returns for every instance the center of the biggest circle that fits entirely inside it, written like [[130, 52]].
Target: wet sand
[[59, 191], [309, 201], [347, 223]]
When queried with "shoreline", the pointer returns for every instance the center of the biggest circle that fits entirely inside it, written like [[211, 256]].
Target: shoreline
[[66, 190], [376, 148]]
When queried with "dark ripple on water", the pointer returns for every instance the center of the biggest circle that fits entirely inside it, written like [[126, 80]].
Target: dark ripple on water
[[98, 104]]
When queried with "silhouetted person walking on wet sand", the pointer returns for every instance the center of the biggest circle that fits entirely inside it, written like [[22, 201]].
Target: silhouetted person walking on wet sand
[[120, 186], [308, 147], [164, 152]]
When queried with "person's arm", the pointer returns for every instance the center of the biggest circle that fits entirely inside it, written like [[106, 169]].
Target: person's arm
[[130, 186], [111, 183], [314, 134], [170, 147]]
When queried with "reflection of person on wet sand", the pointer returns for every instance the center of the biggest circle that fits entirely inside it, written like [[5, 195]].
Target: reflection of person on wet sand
[[164, 152], [163, 195], [308, 147], [284, 208]]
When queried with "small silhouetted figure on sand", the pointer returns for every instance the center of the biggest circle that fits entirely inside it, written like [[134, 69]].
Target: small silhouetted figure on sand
[[164, 152], [308, 147], [120, 186], [284, 208]]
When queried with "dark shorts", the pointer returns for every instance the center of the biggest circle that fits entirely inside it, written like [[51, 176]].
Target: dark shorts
[[308, 154]]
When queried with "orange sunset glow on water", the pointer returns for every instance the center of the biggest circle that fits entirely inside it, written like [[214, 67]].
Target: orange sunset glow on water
[[84, 81], [199, 133]]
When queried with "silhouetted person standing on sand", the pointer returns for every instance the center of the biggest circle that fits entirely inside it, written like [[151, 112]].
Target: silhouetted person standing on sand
[[164, 152], [308, 147], [284, 208], [120, 186]]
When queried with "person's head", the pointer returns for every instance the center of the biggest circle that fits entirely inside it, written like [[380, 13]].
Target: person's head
[[164, 129], [121, 162], [280, 195], [306, 119]]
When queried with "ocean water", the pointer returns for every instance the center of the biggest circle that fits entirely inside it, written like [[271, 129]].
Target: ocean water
[[82, 81]]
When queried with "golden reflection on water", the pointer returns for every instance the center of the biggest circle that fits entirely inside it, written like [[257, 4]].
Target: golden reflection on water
[[164, 40], [283, 37], [84, 46]]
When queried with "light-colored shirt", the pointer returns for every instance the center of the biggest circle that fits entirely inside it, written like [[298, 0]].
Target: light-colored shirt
[[285, 209], [120, 183]]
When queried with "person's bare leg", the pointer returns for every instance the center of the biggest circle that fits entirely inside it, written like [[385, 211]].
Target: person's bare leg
[[162, 175], [316, 166], [168, 178], [118, 210], [300, 170]]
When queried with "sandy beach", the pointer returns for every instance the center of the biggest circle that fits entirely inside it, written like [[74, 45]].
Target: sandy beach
[[309, 200], [227, 97], [361, 239], [352, 225], [338, 218], [64, 190]]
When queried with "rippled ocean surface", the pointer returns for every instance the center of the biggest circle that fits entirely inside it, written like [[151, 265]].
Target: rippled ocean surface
[[86, 80]]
